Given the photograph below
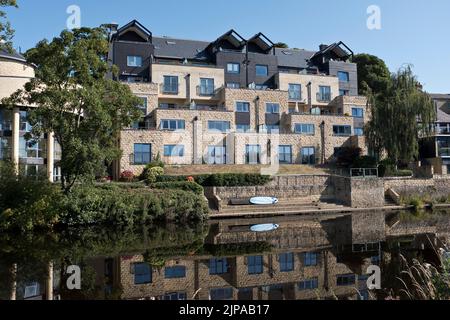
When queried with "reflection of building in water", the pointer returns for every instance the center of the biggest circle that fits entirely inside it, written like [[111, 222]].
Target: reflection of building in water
[[310, 259]]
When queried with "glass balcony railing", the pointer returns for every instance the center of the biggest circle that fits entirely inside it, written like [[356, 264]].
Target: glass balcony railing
[[170, 88], [295, 96], [324, 96], [206, 91]]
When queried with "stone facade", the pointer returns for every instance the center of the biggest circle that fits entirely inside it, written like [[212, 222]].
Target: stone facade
[[437, 186]]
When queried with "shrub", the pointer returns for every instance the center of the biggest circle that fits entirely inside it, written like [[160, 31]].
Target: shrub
[[346, 156], [365, 162], [127, 176], [180, 185], [222, 180], [153, 173]]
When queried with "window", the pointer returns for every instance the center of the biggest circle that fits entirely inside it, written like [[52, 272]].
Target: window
[[233, 68], [206, 87], [217, 155], [443, 144], [174, 150], [31, 149], [286, 262], [295, 91], [345, 280], [255, 265], [304, 128], [343, 76], [233, 85], [5, 149], [308, 155], [359, 131], [310, 259], [272, 108], [218, 266], [262, 70], [175, 272], [142, 273], [143, 105], [242, 107], [172, 125], [242, 128], [142, 153], [24, 124], [221, 294], [343, 92], [134, 61], [167, 106], [324, 94], [358, 112], [252, 154], [271, 128], [170, 85], [261, 87], [309, 284], [222, 126], [285, 154], [5, 120], [174, 296], [342, 130]]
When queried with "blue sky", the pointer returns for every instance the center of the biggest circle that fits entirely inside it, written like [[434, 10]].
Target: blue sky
[[413, 31]]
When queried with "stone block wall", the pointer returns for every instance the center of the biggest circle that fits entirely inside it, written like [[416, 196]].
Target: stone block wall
[[436, 187]]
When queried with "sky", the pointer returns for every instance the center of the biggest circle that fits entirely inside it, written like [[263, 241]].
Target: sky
[[412, 32]]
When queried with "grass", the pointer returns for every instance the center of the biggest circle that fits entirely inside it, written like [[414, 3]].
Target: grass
[[239, 168]]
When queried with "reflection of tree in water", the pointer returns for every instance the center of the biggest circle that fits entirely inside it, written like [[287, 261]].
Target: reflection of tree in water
[[32, 252]]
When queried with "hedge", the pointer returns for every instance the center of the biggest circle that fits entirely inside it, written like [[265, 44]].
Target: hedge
[[179, 185], [222, 180]]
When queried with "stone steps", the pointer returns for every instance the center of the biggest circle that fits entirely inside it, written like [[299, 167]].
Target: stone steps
[[280, 208]]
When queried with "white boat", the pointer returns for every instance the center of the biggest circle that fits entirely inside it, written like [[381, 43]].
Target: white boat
[[263, 200], [264, 227]]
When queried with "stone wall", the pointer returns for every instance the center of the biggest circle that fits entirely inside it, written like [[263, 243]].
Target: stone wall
[[436, 187]]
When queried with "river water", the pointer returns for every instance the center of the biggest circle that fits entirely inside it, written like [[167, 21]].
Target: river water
[[307, 257]]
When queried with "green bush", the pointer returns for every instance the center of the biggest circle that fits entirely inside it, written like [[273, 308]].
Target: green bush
[[365, 162], [153, 173], [222, 180], [180, 185]]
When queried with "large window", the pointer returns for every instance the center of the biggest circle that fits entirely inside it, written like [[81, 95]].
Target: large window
[[345, 280], [255, 264], [324, 94], [242, 128], [358, 112], [218, 266], [443, 146], [310, 259], [342, 130], [285, 154], [5, 120], [172, 124], [31, 148], [172, 150], [308, 155], [286, 261], [134, 61], [222, 126], [343, 76], [175, 272], [142, 153], [24, 124], [271, 128], [217, 155], [295, 91], [233, 85], [252, 154], [242, 106], [305, 128], [174, 296], [262, 70], [142, 273], [272, 108], [233, 68], [359, 131], [170, 85], [206, 87], [221, 294], [343, 92], [5, 148], [308, 284]]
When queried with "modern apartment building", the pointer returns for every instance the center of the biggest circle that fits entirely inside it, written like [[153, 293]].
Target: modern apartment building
[[436, 150], [236, 100], [31, 157]]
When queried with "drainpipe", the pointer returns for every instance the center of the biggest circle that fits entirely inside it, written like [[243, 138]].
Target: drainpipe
[[322, 151], [308, 86]]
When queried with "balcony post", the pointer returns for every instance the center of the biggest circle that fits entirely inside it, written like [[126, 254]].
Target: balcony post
[[50, 155], [15, 138]]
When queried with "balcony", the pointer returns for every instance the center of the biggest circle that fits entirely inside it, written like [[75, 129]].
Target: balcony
[[442, 129], [206, 91], [295, 96], [323, 97], [171, 89], [5, 126]]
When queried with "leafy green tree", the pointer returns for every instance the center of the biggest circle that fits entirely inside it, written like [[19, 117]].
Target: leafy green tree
[[78, 102], [400, 116], [281, 45], [373, 74], [6, 32]]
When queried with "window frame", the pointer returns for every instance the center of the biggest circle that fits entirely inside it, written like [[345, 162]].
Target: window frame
[[137, 61], [258, 67], [177, 150], [242, 103], [142, 153], [302, 126], [347, 76], [233, 71]]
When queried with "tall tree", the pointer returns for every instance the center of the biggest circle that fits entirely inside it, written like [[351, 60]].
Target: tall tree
[[6, 32], [373, 74], [400, 116], [77, 102]]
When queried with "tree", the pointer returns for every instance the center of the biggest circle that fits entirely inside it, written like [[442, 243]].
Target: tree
[[373, 74], [281, 45], [400, 116], [78, 102], [6, 32]]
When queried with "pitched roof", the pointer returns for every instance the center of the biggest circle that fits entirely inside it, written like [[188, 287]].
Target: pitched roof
[[293, 58], [180, 49], [339, 48], [12, 55]]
